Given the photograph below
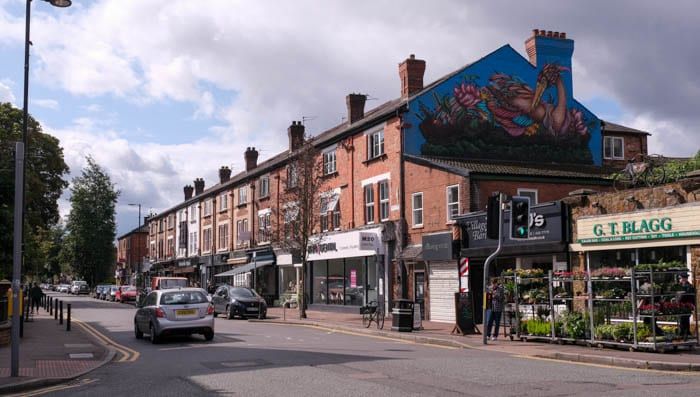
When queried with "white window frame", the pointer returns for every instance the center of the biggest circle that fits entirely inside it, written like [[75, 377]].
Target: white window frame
[[450, 204], [243, 195], [375, 144], [415, 210], [292, 176], [609, 142], [223, 202], [207, 207], [335, 216], [369, 205], [526, 194], [205, 232], [193, 213], [223, 237], [264, 184], [329, 162], [193, 243], [384, 208], [241, 226]]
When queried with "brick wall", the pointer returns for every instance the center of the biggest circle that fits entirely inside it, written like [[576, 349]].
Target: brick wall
[[634, 144], [545, 191]]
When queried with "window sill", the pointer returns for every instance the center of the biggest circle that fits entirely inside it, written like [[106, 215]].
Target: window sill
[[331, 175], [242, 205], [381, 157], [417, 226], [264, 198]]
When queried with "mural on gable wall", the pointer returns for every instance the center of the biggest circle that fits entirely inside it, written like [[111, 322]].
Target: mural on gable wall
[[504, 108]]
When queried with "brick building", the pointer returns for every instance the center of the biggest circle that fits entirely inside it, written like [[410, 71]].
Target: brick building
[[395, 178], [131, 251]]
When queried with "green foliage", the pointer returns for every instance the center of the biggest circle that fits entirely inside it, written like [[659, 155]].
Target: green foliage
[[574, 324], [538, 327], [44, 183], [90, 245], [677, 169]]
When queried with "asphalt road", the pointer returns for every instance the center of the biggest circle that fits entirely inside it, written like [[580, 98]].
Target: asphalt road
[[258, 359]]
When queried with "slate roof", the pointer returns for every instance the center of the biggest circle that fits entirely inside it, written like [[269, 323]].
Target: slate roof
[[612, 127], [469, 167]]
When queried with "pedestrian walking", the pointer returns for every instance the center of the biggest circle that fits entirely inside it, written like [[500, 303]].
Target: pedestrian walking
[[35, 295], [494, 310], [685, 295]]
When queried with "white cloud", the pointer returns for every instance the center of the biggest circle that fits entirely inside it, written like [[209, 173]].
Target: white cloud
[[667, 137], [46, 103], [6, 94]]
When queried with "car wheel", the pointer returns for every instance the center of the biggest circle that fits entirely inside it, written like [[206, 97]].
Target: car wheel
[[230, 316], [137, 332], [154, 337], [215, 314], [208, 336]]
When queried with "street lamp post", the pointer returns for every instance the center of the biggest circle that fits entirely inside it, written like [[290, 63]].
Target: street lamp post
[[138, 265], [21, 150]]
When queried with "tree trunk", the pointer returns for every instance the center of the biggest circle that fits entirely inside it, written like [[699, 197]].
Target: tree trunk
[[302, 293]]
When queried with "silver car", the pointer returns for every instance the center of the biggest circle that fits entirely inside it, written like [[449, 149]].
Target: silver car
[[183, 311]]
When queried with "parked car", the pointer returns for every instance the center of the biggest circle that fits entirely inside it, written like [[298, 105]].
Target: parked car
[[64, 288], [128, 294], [168, 282], [96, 292], [83, 289], [238, 301], [111, 293], [184, 311], [75, 286]]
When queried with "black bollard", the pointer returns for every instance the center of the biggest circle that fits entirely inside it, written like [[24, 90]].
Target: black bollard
[[60, 314], [68, 319], [21, 326], [50, 305], [55, 309]]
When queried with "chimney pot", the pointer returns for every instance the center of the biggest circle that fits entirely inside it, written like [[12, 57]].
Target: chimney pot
[[224, 174], [198, 186], [251, 158], [562, 35], [296, 135], [356, 107], [188, 189], [411, 72]]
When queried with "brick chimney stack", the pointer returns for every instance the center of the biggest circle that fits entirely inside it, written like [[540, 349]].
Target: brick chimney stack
[[251, 158], [534, 44], [224, 174], [188, 192], [356, 107], [198, 186], [411, 72], [296, 135]]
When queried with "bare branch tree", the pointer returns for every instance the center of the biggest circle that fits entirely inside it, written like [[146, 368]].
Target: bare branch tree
[[300, 208]]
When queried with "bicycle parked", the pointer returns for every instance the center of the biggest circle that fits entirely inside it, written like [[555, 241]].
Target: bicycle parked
[[372, 312], [641, 170]]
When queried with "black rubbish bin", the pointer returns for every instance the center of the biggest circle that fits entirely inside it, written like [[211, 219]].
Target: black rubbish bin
[[402, 316]]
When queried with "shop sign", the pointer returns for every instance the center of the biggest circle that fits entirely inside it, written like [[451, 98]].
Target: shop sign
[[346, 245], [353, 278], [437, 247], [676, 222], [546, 226]]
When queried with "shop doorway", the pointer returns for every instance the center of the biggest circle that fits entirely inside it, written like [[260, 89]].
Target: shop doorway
[[419, 291], [476, 287]]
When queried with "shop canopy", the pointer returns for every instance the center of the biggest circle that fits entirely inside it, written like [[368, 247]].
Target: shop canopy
[[246, 268]]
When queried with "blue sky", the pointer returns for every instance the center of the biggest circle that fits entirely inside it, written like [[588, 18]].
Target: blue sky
[[160, 92]]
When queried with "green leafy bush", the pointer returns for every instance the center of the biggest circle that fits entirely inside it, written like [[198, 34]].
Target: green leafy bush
[[538, 327]]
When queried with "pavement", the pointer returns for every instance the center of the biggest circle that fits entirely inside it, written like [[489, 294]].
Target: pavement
[[436, 333], [49, 354]]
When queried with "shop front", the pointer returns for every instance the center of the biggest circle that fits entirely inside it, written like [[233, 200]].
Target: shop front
[[546, 247], [442, 281], [258, 272], [626, 240], [346, 270]]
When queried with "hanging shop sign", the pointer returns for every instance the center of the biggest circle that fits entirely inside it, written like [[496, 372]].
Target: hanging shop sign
[[663, 223], [547, 223], [437, 247], [346, 245]]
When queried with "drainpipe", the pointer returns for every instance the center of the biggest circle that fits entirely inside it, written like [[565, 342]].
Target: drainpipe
[[402, 202]]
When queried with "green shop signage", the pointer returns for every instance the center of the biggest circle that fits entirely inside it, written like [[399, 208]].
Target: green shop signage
[[648, 225]]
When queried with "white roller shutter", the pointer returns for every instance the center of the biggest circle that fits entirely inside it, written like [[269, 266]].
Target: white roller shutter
[[444, 282]]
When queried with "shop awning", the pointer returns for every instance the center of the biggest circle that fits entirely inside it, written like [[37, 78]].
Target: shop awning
[[412, 253], [246, 268]]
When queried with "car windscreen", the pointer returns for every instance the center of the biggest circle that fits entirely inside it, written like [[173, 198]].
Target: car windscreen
[[182, 298], [131, 289], [244, 293], [172, 283]]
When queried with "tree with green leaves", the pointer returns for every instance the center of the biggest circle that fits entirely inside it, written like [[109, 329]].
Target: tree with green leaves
[[44, 184], [89, 246]]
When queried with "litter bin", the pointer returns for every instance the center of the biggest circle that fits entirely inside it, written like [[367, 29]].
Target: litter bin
[[402, 315]]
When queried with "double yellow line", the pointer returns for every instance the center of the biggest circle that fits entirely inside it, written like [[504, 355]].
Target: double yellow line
[[127, 354], [51, 389]]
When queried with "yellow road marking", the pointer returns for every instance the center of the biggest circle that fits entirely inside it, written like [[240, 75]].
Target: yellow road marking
[[127, 354], [51, 389], [340, 331], [607, 366]]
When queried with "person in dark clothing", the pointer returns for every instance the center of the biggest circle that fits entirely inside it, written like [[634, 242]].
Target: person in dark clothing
[[685, 295], [496, 300], [36, 294]]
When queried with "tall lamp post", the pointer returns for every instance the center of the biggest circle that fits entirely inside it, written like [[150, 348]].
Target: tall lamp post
[[138, 265], [20, 171]]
